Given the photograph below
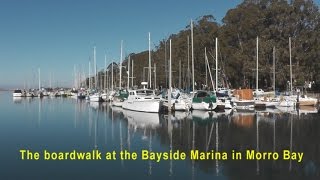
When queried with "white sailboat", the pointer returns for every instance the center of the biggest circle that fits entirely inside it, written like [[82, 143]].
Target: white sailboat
[[96, 97], [176, 101], [264, 101], [289, 101], [104, 95], [117, 98], [201, 100]]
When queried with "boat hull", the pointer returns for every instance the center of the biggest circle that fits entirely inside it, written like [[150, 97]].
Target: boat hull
[[117, 103], [204, 106], [17, 94], [244, 104], [95, 98], [142, 106]]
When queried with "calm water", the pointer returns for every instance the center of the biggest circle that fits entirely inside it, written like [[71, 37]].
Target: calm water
[[65, 124]]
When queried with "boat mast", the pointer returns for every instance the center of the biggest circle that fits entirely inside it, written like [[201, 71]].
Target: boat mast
[[132, 73], [274, 70], [188, 71], [50, 83], [155, 75], [257, 80], [128, 72], [180, 74], [89, 74], [216, 64], [290, 65], [208, 66], [149, 63], [112, 76], [120, 66], [39, 79], [95, 67], [75, 76], [192, 59], [105, 72], [169, 89], [166, 62]]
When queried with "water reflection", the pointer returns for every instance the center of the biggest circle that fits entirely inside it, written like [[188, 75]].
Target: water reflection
[[17, 100], [140, 120], [268, 130]]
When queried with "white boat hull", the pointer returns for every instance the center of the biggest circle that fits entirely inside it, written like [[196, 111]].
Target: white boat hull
[[142, 106], [104, 96], [308, 101], [243, 104], [117, 103], [266, 103], [203, 106], [17, 94], [287, 103], [95, 98]]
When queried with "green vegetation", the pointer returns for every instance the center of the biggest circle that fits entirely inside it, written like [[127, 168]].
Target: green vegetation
[[273, 21]]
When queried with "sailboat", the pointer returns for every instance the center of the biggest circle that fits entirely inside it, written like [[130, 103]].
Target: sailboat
[[175, 100], [121, 94], [95, 97], [265, 102], [289, 101], [201, 100], [104, 95], [222, 94]]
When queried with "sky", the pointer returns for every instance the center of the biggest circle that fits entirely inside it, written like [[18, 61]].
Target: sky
[[56, 35]]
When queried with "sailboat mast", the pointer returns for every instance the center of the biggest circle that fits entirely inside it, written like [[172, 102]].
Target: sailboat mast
[[95, 67], [112, 76], [188, 71], [208, 66], [290, 65], [169, 89], [39, 79], [74, 76], [180, 74], [50, 83], [149, 62], [128, 73], [120, 66], [257, 78], [105, 71], [132, 74], [216, 64], [155, 75], [192, 59], [89, 74], [274, 70]]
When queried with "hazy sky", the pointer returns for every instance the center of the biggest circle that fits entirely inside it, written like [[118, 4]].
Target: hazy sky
[[55, 35]]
